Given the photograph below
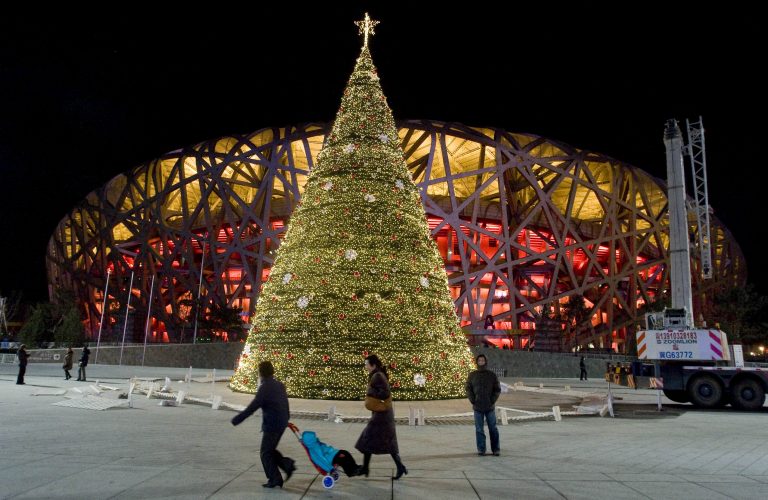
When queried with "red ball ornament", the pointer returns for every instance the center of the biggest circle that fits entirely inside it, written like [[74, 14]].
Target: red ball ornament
[[393, 365], [443, 355], [396, 384], [312, 373], [342, 316], [289, 356], [244, 356], [414, 331], [356, 274], [378, 315], [326, 357], [262, 347], [429, 376], [307, 314], [354, 296], [365, 354], [246, 380], [416, 360]]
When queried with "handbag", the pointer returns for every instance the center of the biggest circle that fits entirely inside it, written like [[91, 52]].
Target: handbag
[[378, 405]]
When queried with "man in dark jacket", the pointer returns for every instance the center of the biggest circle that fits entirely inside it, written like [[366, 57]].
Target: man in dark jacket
[[273, 401], [83, 363], [483, 390], [22, 354]]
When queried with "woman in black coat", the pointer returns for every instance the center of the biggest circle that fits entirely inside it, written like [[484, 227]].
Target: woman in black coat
[[379, 436]]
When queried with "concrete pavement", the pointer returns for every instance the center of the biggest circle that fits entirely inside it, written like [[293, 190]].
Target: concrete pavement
[[192, 451]]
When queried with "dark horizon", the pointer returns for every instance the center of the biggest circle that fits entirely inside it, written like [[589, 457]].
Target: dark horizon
[[87, 99]]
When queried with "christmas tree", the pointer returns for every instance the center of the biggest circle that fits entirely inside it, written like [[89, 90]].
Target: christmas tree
[[358, 272]]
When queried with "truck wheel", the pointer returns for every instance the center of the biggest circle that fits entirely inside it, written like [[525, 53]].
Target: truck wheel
[[748, 394], [705, 391], [677, 396]]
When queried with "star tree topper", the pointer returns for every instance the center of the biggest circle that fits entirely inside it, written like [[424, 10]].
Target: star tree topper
[[366, 27]]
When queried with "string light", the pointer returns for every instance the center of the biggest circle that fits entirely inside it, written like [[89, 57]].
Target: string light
[[358, 272]]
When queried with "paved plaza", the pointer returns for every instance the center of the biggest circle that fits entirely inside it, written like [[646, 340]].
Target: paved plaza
[[192, 451]]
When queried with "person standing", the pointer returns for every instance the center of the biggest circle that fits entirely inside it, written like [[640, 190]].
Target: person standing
[[583, 368], [272, 398], [23, 355], [83, 363], [483, 390], [380, 436], [68, 363]]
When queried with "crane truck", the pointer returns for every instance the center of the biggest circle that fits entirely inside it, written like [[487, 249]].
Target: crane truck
[[693, 364]]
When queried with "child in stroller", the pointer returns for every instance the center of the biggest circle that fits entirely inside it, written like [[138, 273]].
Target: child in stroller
[[326, 458]]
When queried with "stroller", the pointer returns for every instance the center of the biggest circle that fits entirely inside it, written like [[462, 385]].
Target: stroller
[[325, 458]]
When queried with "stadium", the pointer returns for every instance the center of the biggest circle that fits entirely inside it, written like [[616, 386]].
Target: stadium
[[523, 223]]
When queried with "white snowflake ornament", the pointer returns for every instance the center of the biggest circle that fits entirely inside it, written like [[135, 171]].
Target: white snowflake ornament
[[287, 278], [424, 281], [328, 186], [303, 302], [384, 138], [419, 379], [349, 148], [399, 184], [369, 198], [350, 254]]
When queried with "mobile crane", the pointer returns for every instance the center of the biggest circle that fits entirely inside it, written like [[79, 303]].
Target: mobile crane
[[693, 363]]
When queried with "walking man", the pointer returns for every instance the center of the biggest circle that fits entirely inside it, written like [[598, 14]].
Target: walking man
[[273, 401], [583, 367], [483, 390]]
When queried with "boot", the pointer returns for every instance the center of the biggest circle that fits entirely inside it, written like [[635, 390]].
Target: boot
[[363, 469], [400, 467]]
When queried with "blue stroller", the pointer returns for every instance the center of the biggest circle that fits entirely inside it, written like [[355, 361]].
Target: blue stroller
[[325, 458]]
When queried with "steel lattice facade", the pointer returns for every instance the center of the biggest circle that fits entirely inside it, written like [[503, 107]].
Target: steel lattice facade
[[523, 223]]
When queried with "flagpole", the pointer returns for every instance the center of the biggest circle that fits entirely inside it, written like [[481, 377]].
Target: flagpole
[[199, 287], [125, 323], [101, 322], [149, 315]]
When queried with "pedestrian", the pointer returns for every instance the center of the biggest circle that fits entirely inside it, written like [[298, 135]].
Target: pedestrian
[[68, 363], [583, 368], [273, 401], [83, 363], [379, 437], [23, 355], [483, 390]]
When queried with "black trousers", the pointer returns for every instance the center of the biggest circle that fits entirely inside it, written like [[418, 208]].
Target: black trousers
[[346, 461], [22, 371], [81, 373], [583, 374], [271, 458]]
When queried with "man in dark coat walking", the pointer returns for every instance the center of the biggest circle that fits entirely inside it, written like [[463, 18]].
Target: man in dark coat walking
[[483, 390], [272, 398], [22, 354], [583, 368]]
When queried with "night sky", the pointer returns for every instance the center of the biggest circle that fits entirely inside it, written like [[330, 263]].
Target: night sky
[[87, 96]]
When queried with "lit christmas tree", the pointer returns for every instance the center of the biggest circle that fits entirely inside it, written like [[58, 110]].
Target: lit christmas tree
[[358, 272]]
